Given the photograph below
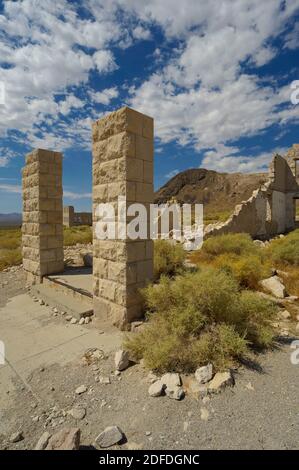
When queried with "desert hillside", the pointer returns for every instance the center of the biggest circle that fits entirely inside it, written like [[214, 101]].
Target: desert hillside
[[219, 192]]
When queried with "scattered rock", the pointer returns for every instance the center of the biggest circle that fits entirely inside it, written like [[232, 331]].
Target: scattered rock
[[87, 320], [259, 243], [249, 386], [204, 414], [121, 359], [221, 380], [78, 412], [285, 315], [55, 310], [104, 380], [82, 321], [193, 388], [68, 317], [171, 380], [43, 441], [74, 320], [151, 377], [206, 400], [16, 437], [65, 439], [156, 389], [41, 302], [275, 286], [110, 436], [176, 393], [81, 389], [204, 374]]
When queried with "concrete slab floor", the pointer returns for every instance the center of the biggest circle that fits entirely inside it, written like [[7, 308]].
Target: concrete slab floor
[[80, 278], [34, 338]]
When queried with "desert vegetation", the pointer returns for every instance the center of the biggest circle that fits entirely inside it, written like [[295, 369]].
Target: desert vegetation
[[168, 258], [10, 243]]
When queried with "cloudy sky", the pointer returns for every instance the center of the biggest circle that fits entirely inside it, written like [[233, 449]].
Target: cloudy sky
[[215, 75]]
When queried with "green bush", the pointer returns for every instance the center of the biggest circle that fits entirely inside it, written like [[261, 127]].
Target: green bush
[[168, 258], [232, 243], [200, 317], [286, 250]]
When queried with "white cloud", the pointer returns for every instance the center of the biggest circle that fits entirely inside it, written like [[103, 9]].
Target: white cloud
[[292, 38], [104, 61], [104, 96], [141, 33], [172, 173], [75, 196], [11, 188]]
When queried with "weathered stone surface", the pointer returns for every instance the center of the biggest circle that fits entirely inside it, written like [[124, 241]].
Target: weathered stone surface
[[221, 380], [285, 315], [81, 389], [193, 388], [121, 359], [43, 441], [156, 389], [110, 436], [65, 439], [204, 374], [274, 286], [78, 412]]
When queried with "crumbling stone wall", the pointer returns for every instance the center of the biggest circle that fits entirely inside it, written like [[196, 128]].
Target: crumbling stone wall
[[271, 208], [122, 166], [72, 218], [42, 230]]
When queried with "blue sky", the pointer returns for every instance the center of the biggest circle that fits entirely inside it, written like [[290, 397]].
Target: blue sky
[[215, 76]]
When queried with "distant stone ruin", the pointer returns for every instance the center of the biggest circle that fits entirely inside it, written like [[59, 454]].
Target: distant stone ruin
[[271, 210], [74, 219]]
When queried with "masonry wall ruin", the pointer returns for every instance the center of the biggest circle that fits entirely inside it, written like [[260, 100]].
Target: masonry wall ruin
[[122, 166], [74, 219], [271, 208], [42, 230]]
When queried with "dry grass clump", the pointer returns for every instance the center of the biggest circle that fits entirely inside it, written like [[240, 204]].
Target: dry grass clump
[[73, 235], [168, 258], [10, 247]]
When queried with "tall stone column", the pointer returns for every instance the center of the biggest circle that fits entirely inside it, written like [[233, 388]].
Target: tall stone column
[[122, 166], [42, 230]]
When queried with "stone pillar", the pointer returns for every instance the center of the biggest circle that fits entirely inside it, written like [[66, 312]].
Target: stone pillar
[[42, 230], [122, 166], [68, 216]]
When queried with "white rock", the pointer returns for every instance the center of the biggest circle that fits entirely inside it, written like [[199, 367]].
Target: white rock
[[81, 389], [171, 380], [82, 321], [43, 441], [204, 374], [110, 436], [74, 320], [156, 389], [176, 393], [55, 310], [220, 380], [87, 320], [275, 286], [204, 414], [68, 317], [104, 380], [121, 359]]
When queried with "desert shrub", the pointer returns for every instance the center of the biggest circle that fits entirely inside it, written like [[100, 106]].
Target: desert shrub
[[232, 243], [10, 258], [200, 317], [285, 250], [168, 258], [81, 234], [248, 270]]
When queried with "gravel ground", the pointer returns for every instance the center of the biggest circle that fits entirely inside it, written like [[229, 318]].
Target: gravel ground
[[260, 412]]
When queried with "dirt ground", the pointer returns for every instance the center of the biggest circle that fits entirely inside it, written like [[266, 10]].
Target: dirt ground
[[260, 412]]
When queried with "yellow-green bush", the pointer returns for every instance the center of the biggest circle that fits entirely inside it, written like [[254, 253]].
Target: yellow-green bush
[[231, 243], [200, 317], [168, 258], [285, 250], [81, 234]]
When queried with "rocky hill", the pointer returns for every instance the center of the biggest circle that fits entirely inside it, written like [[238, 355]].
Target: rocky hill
[[219, 192]]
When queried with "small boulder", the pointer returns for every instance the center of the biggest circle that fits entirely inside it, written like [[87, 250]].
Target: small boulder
[[82, 321], [275, 286], [74, 321], [176, 393], [16, 437], [65, 439], [109, 437], [285, 315], [121, 359], [156, 389], [171, 380], [204, 374], [43, 441], [221, 380]]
